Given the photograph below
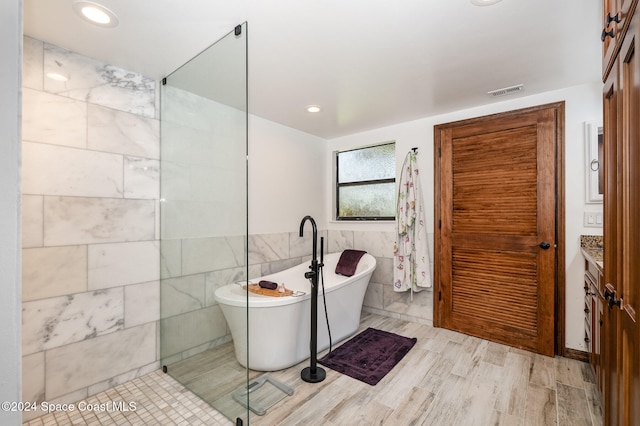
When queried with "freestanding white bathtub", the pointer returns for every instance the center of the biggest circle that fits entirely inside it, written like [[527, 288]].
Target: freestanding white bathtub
[[280, 327]]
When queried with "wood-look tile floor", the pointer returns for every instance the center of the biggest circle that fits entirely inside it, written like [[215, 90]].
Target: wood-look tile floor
[[447, 378]]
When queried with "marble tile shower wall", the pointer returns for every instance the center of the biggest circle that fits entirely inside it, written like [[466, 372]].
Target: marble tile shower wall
[[90, 235]]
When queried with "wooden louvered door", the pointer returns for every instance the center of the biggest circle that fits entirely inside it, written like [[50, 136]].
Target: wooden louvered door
[[496, 228]]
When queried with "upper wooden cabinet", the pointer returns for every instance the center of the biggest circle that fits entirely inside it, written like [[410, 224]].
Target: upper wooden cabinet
[[609, 34], [615, 23]]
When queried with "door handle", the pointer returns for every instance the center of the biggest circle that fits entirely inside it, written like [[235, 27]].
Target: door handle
[[544, 245], [610, 295]]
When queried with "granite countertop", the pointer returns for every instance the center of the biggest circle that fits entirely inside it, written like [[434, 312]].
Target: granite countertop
[[591, 246]]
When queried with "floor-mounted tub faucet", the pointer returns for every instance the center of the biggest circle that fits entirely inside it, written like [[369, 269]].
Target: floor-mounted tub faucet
[[313, 373], [314, 256]]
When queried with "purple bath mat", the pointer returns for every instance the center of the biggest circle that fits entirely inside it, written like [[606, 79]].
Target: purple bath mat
[[369, 356]]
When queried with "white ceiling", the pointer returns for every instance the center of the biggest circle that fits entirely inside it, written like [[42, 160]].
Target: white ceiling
[[367, 63]]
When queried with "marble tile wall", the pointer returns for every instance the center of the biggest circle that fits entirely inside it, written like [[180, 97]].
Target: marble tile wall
[[380, 297], [269, 253], [90, 179]]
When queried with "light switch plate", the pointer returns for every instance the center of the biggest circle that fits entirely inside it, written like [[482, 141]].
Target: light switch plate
[[592, 219]]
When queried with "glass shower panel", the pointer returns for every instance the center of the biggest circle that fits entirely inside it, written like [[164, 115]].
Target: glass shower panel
[[203, 218]]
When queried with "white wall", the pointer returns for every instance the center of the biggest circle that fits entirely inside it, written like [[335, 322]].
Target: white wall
[[287, 177], [583, 103], [10, 83]]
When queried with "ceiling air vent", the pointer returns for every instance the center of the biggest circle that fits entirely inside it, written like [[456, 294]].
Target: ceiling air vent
[[506, 91]]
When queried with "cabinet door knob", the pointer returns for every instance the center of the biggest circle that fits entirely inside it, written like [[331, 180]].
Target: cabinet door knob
[[544, 245], [614, 302], [609, 19], [606, 33]]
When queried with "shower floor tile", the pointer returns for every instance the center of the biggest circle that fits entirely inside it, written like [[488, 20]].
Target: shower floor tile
[[158, 398]]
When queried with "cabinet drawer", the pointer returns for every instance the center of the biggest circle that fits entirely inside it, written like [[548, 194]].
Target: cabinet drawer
[[593, 272], [592, 282]]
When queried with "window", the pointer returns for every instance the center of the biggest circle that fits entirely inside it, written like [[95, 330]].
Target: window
[[366, 183]]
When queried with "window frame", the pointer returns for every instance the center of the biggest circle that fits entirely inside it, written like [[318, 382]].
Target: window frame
[[338, 185]]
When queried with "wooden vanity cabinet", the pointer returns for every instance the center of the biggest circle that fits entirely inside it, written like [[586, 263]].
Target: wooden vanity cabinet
[[598, 358], [594, 318], [588, 319]]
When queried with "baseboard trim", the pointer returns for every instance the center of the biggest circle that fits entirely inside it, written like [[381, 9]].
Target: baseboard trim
[[576, 354]]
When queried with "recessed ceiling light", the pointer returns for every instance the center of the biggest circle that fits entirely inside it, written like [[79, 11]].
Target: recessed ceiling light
[[95, 13], [484, 2], [313, 108]]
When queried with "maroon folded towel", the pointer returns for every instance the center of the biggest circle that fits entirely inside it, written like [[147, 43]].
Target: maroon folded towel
[[349, 262], [268, 284]]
